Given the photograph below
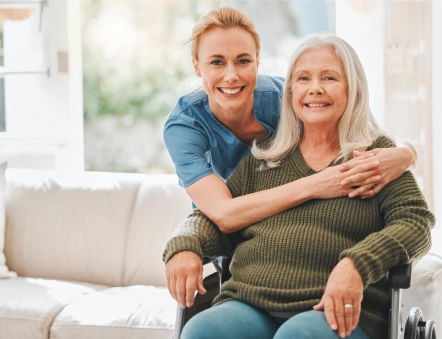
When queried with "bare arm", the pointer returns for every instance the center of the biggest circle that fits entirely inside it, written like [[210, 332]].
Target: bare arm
[[214, 199]]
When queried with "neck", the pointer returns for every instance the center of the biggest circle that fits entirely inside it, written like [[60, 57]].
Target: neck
[[233, 117], [321, 141], [319, 149], [241, 122]]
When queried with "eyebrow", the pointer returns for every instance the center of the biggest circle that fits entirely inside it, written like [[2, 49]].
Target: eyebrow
[[322, 72], [219, 56]]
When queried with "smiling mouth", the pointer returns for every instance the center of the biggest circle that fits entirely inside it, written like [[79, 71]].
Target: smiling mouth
[[231, 91], [316, 105]]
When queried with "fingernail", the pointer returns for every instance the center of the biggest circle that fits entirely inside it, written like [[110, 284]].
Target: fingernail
[[334, 327], [351, 195], [342, 335]]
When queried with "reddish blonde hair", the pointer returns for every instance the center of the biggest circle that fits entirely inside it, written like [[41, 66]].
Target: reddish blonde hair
[[223, 17]]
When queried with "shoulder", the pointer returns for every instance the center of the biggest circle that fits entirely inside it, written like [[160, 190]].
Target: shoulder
[[268, 100], [383, 141], [253, 163], [190, 104], [267, 83]]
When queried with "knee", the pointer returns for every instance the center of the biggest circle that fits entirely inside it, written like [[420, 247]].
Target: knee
[[306, 325], [196, 328]]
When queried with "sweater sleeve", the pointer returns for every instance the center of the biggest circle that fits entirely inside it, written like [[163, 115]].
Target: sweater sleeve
[[199, 234], [406, 235]]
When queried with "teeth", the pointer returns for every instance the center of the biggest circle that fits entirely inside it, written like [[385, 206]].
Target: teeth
[[230, 91], [317, 105]]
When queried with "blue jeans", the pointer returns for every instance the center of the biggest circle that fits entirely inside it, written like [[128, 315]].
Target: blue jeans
[[237, 320]]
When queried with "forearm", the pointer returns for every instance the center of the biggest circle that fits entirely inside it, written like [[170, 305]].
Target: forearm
[[232, 214], [237, 213], [410, 153]]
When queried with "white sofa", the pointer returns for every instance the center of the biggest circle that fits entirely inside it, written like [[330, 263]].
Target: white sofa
[[87, 251]]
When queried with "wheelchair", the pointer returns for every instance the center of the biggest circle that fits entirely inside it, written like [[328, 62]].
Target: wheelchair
[[399, 278]]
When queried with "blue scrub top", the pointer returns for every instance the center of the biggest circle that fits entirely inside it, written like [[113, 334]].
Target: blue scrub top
[[200, 145]]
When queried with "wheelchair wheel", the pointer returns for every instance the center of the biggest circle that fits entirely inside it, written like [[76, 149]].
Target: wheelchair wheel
[[430, 330], [415, 320]]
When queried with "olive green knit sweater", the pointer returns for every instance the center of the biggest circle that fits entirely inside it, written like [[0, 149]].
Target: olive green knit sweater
[[282, 263]]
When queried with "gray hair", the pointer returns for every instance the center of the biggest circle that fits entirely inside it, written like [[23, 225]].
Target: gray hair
[[357, 127]]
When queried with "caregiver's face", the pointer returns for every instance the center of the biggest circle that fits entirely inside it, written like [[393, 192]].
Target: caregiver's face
[[228, 66]]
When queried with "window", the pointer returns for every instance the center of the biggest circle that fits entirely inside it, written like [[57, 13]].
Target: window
[[42, 129], [2, 84], [137, 64]]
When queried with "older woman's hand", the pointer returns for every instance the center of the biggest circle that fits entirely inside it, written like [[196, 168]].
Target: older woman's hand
[[327, 183], [184, 276], [344, 287], [393, 162]]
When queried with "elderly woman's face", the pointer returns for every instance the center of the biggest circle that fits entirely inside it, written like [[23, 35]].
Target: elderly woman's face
[[319, 88], [228, 66]]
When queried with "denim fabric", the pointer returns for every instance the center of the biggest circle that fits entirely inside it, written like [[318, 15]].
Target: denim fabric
[[234, 319]]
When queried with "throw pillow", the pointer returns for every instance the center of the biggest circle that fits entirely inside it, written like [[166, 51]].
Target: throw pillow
[[4, 272]]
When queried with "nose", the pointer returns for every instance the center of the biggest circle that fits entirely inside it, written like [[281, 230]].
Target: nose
[[231, 74], [316, 88]]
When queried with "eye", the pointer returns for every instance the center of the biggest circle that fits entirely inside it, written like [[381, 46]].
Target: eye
[[243, 61], [303, 78], [216, 62], [329, 78]]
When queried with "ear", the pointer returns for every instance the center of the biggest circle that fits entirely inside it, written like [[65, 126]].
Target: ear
[[196, 68]]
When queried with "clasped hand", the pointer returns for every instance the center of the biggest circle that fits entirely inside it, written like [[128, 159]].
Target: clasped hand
[[369, 172]]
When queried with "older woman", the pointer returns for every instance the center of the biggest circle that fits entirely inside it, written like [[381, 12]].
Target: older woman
[[212, 128], [317, 270]]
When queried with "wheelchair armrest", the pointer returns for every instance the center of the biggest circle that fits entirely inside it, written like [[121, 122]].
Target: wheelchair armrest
[[400, 276], [222, 268]]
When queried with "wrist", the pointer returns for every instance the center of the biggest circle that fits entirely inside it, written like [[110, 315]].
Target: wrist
[[307, 190], [410, 154]]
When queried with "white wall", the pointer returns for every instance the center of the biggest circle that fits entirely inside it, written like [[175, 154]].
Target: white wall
[[437, 110], [44, 114], [362, 25], [363, 28]]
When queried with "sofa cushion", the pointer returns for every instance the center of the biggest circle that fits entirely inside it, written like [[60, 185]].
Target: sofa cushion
[[161, 205], [4, 272], [426, 288], [28, 306], [136, 312], [69, 226]]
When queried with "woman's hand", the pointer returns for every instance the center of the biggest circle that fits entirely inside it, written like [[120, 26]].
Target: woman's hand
[[328, 183], [393, 163], [344, 287], [184, 276]]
